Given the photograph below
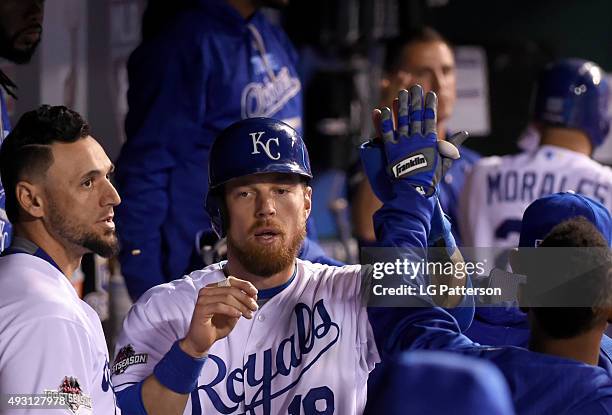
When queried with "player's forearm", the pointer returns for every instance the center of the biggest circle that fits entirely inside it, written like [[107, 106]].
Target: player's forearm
[[160, 400], [166, 391], [405, 220]]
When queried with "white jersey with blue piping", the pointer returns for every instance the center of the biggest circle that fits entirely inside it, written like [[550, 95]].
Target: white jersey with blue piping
[[51, 342], [499, 190], [308, 349]]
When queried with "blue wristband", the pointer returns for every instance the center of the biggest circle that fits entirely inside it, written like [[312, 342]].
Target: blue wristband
[[178, 371]]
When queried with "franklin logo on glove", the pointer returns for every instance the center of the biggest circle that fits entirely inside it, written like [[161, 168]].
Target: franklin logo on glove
[[409, 164]]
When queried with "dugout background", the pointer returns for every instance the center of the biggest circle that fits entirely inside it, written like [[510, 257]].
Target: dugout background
[[81, 63]]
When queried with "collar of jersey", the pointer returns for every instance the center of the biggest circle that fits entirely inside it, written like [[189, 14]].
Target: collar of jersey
[[25, 246], [271, 292]]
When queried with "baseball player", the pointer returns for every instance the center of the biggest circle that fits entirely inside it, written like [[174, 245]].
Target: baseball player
[[426, 58], [571, 113], [210, 64], [562, 371], [60, 200], [20, 33], [260, 333], [498, 326]]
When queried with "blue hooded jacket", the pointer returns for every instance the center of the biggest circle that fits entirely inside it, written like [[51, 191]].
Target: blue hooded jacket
[[208, 68], [6, 229]]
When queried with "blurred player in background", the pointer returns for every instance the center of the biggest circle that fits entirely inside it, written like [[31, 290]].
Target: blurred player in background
[[212, 63], [20, 33], [422, 57], [571, 114], [60, 201]]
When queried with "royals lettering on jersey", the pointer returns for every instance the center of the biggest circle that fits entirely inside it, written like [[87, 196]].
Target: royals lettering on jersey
[[264, 99], [275, 363], [273, 373], [499, 190]]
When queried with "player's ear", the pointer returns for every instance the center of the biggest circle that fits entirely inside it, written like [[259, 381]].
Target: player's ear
[[29, 198], [307, 200]]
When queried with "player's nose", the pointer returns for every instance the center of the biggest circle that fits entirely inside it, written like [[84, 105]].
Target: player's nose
[[265, 206], [110, 196]]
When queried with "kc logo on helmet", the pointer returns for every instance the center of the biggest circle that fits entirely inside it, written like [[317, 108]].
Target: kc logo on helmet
[[257, 142]]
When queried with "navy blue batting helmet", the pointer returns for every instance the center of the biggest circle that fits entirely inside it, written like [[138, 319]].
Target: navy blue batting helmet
[[573, 93], [252, 146]]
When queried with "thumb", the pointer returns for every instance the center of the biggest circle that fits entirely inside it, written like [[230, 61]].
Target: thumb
[[459, 138]]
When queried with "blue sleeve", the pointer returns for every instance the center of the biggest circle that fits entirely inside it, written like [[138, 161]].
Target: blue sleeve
[[166, 106], [130, 401], [405, 219], [312, 251], [401, 329]]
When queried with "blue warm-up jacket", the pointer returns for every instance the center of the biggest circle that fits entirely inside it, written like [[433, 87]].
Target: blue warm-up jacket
[[208, 68]]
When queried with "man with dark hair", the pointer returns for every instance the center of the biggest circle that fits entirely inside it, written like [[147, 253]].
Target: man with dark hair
[[423, 57], [562, 371], [60, 201], [20, 32]]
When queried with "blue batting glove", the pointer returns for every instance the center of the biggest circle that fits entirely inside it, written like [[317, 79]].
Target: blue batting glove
[[412, 149]]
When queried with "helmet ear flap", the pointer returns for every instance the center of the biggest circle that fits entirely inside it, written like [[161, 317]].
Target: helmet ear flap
[[217, 211]]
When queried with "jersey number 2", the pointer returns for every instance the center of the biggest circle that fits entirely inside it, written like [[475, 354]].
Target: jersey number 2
[[318, 401]]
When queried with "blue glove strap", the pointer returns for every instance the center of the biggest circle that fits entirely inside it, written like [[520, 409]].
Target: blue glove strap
[[178, 371]]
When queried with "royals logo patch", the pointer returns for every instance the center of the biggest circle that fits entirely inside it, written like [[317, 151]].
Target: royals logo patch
[[127, 357], [70, 393]]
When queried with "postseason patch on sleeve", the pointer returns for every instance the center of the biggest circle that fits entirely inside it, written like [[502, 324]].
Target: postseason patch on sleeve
[[127, 357], [70, 394]]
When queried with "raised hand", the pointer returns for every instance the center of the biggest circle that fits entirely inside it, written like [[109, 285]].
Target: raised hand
[[217, 310]]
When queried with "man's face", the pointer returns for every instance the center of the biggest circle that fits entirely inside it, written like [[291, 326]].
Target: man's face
[[20, 28], [432, 65], [79, 198], [267, 221]]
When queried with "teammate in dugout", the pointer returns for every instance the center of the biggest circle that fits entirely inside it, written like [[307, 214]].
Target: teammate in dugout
[[60, 201], [426, 58], [260, 332], [20, 33], [211, 64], [562, 371], [571, 113]]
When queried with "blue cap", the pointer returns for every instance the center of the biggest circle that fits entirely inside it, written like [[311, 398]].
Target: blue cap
[[547, 212], [435, 382]]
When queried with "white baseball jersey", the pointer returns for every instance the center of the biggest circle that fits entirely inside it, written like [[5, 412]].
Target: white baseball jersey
[[308, 349], [51, 342], [499, 190]]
